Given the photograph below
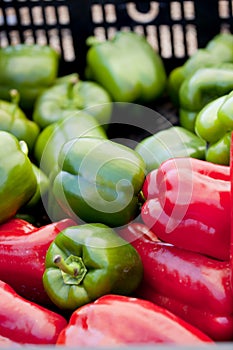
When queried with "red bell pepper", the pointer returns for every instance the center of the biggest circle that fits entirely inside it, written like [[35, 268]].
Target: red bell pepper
[[188, 204], [22, 259], [217, 327], [114, 320], [26, 322], [15, 227], [191, 281]]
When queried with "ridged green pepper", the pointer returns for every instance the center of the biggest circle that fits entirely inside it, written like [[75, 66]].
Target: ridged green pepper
[[218, 50], [69, 95], [99, 181], [205, 85], [17, 179], [87, 261], [127, 67], [15, 121], [175, 141], [29, 69], [214, 124], [51, 139]]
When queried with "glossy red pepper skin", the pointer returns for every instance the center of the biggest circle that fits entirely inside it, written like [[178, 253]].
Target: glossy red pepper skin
[[219, 328], [15, 227], [186, 277], [189, 205], [22, 260], [114, 320], [26, 322]]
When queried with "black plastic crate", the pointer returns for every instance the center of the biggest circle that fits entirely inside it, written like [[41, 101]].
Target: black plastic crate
[[174, 28]]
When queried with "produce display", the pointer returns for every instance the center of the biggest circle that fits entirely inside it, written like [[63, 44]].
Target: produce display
[[104, 242]]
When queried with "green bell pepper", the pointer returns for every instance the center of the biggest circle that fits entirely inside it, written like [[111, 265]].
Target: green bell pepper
[[17, 179], [218, 50], [169, 143], [51, 139], [127, 67], [41, 189], [87, 261], [15, 121], [207, 124], [69, 95], [205, 85], [225, 112], [29, 69], [99, 181], [187, 119], [219, 152]]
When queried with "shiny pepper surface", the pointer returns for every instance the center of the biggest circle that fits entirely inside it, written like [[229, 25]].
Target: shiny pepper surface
[[87, 261], [128, 67], [17, 180], [188, 205], [99, 181], [29, 69]]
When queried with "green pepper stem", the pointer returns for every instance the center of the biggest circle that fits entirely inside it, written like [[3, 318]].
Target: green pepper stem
[[60, 262], [70, 89]]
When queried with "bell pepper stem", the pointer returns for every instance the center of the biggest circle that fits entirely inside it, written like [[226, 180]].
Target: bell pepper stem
[[60, 262], [15, 98], [70, 89]]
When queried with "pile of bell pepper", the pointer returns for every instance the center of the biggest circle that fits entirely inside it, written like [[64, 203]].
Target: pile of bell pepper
[[102, 244]]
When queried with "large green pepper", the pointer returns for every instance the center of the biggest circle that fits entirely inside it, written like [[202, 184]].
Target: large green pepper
[[17, 179], [169, 143], [128, 67], [15, 121], [67, 96], [51, 139], [99, 181], [218, 50], [29, 69], [87, 261]]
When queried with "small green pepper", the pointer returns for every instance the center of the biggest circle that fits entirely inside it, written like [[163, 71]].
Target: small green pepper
[[17, 179], [87, 261], [29, 69], [15, 121], [69, 95], [51, 139], [127, 67], [99, 180], [169, 143]]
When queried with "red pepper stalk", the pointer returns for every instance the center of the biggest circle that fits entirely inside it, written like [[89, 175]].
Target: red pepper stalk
[[26, 322], [192, 286], [114, 320], [22, 259], [187, 203]]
